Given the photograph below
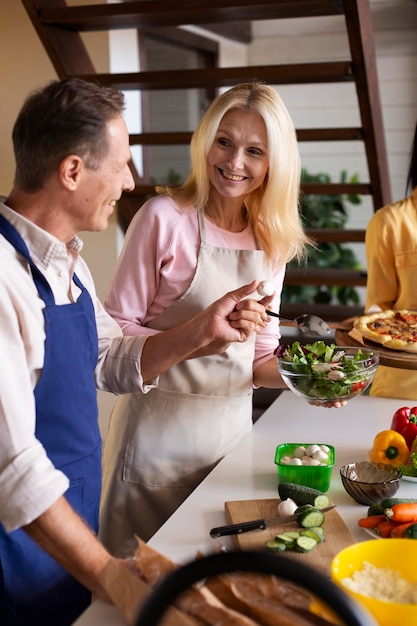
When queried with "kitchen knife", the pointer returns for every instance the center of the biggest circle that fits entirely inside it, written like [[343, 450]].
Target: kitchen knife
[[257, 524]]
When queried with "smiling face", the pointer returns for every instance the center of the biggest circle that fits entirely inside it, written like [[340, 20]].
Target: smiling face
[[238, 158], [101, 188]]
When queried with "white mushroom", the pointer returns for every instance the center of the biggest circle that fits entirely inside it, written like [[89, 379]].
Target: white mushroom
[[287, 507], [322, 367], [265, 288], [335, 375], [321, 456], [312, 449], [300, 451]]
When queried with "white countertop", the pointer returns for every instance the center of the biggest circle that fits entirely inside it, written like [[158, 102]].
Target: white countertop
[[249, 472]]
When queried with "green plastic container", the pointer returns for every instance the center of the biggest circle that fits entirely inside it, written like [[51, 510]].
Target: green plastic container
[[316, 476]]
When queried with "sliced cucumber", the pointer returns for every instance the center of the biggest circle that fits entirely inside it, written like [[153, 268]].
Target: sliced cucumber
[[319, 530], [285, 539], [275, 546], [309, 532], [294, 534], [311, 518], [305, 544], [321, 501]]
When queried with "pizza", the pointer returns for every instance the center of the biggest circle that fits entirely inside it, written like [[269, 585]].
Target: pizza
[[396, 330]]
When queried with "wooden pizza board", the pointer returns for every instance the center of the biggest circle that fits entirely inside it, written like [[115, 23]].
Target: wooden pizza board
[[390, 358], [337, 534]]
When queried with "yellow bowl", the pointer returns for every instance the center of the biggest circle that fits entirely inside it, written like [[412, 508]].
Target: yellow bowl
[[398, 554]]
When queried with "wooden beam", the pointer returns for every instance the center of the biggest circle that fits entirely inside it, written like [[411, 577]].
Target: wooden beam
[[304, 134], [325, 276], [296, 73], [360, 31], [65, 48], [147, 13], [362, 189], [307, 188], [330, 134], [328, 312], [336, 235]]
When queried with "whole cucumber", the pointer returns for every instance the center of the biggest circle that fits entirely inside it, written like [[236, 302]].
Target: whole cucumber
[[378, 508], [411, 532], [299, 493]]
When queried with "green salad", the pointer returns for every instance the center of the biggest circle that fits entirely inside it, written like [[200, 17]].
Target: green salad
[[411, 468], [325, 372]]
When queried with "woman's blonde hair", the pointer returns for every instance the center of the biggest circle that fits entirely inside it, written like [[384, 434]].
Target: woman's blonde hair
[[273, 208]]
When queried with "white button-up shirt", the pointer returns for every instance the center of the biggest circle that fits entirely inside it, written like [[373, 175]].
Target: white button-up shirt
[[29, 483]]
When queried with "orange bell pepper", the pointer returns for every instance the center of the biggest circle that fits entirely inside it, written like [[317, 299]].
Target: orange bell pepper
[[389, 447]]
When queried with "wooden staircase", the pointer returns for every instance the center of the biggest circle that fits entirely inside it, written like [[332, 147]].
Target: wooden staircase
[[59, 26]]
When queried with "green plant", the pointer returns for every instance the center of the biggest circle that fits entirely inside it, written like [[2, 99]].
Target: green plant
[[325, 211]]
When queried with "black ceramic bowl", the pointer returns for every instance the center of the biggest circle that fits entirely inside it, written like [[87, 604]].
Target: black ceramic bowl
[[368, 482]]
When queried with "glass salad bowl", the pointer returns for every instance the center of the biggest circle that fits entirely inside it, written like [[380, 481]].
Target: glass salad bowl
[[323, 374]]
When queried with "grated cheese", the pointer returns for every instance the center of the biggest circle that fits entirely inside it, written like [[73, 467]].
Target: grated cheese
[[382, 583]]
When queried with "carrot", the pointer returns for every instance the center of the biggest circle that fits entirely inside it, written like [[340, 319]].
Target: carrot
[[404, 512], [399, 530], [385, 528], [372, 521]]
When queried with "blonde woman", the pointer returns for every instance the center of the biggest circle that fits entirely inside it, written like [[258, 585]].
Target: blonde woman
[[235, 219]]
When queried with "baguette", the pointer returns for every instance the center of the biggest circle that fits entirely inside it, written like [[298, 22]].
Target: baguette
[[198, 601]]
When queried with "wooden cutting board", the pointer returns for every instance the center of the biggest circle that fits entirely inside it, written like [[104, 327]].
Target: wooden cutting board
[[337, 534], [390, 358]]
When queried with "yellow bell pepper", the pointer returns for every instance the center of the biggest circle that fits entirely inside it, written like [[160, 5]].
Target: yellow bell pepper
[[390, 447]]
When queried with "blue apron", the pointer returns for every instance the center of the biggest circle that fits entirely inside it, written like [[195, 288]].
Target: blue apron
[[34, 589]]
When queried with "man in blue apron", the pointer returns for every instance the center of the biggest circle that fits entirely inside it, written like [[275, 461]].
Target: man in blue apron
[[58, 345]]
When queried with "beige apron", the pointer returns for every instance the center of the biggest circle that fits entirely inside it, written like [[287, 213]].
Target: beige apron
[[161, 444]]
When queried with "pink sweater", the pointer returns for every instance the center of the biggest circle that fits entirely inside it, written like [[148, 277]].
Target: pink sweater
[[158, 262]]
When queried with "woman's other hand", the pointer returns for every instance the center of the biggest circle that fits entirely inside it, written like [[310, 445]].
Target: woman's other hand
[[236, 316], [232, 318]]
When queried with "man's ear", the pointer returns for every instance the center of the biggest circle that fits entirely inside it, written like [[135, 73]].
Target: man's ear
[[70, 171]]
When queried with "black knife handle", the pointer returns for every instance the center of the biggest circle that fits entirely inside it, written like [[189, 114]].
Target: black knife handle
[[237, 529]]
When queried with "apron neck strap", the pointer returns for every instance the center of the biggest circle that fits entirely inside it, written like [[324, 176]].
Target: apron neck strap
[[15, 239], [201, 224]]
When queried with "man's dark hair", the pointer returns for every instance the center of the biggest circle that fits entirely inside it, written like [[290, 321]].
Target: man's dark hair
[[66, 117]]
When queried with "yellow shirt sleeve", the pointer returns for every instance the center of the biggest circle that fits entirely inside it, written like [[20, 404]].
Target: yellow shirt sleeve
[[391, 253]]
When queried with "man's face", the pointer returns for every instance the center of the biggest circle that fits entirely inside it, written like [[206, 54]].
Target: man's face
[[100, 189]]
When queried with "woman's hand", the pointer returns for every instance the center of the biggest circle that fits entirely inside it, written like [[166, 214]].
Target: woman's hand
[[330, 405], [251, 311], [234, 317]]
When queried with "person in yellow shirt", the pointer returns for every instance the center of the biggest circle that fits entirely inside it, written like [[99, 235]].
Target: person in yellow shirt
[[391, 252]]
